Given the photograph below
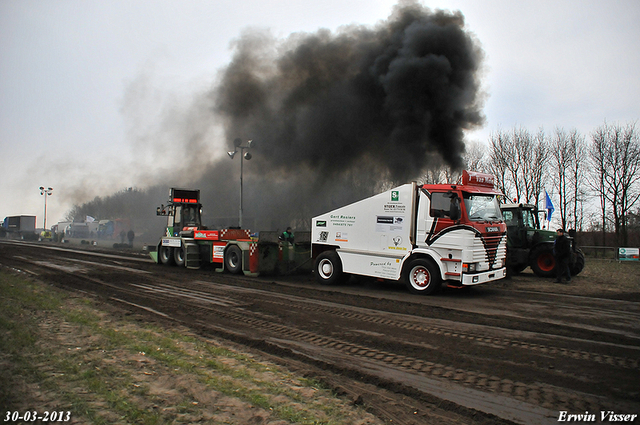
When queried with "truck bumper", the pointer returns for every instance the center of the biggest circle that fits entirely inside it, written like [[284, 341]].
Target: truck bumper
[[483, 277]]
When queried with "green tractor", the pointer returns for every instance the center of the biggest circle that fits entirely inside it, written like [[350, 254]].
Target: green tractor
[[528, 245]]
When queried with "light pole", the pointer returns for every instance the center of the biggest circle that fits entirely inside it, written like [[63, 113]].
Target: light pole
[[237, 143], [46, 192]]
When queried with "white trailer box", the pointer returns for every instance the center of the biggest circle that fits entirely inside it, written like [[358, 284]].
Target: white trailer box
[[22, 224], [373, 234]]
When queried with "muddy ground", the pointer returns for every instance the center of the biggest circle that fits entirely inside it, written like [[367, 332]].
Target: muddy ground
[[522, 350]]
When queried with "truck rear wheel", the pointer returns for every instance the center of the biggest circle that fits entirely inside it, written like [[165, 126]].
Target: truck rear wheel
[[328, 268], [422, 277], [165, 255], [543, 263], [178, 256], [233, 259]]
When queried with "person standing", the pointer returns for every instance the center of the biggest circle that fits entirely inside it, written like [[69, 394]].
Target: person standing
[[287, 236], [562, 254]]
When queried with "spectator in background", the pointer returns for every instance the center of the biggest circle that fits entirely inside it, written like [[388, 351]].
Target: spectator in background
[[287, 236], [130, 236], [562, 254]]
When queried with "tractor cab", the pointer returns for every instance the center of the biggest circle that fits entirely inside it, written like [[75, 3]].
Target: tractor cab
[[523, 226], [183, 212]]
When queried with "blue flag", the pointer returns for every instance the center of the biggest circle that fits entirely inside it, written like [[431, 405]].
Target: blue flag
[[548, 205]]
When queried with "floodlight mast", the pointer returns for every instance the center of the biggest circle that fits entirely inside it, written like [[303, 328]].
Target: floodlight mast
[[46, 192], [237, 143]]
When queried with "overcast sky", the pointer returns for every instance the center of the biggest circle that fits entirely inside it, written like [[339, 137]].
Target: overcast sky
[[85, 84]]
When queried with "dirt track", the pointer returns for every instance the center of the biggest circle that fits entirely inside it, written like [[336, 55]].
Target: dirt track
[[512, 351]]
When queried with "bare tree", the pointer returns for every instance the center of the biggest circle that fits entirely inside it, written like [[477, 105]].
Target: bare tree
[[597, 159], [518, 160], [437, 171], [474, 156], [568, 156], [615, 159], [579, 151], [500, 151], [561, 154], [535, 164]]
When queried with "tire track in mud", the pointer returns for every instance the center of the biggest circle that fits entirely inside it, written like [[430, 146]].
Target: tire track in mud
[[163, 293], [348, 313], [225, 303], [543, 395], [539, 394], [505, 342]]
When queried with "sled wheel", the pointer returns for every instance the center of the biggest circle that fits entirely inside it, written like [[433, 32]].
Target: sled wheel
[[233, 259]]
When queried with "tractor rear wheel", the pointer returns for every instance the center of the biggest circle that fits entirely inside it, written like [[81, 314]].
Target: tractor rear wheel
[[578, 262], [542, 261]]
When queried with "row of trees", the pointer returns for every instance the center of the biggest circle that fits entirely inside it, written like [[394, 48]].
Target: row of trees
[[594, 180]]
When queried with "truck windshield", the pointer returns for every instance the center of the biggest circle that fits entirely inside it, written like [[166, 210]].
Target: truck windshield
[[482, 207]]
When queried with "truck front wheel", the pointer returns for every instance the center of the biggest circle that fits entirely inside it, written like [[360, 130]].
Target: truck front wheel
[[233, 259], [422, 277], [166, 255], [328, 268]]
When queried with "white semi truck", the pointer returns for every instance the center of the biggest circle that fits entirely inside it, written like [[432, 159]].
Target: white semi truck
[[422, 234]]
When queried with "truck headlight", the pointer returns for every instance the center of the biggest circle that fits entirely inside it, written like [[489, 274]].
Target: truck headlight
[[469, 267]]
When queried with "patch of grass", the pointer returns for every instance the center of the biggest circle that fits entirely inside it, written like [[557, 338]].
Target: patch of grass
[[102, 369]]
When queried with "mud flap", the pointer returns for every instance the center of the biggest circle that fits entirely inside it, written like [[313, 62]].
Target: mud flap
[[249, 259]]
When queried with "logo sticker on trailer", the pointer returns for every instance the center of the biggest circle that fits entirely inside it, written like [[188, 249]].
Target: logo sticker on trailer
[[385, 224], [218, 251], [175, 243], [342, 237], [395, 195]]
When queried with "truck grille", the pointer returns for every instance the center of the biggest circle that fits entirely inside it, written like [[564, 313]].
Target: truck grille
[[488, 248]]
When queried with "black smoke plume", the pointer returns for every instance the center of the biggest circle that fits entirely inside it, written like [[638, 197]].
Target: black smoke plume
[[388, 97], [335, 116]]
